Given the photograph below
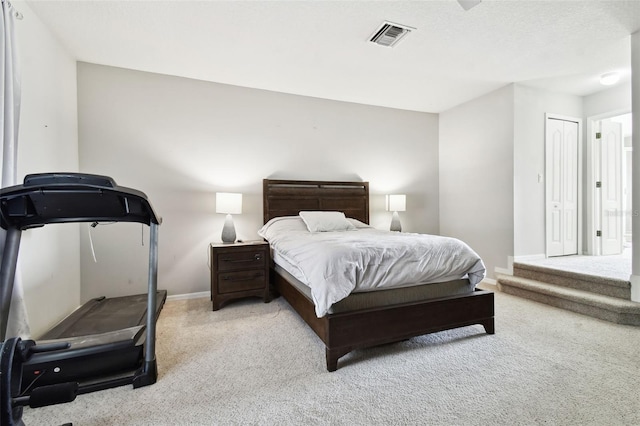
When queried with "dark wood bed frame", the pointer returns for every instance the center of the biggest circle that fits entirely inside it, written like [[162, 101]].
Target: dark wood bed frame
[[343, 332]]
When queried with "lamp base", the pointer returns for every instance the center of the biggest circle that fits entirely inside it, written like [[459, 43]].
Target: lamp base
[[228, 230], [395, 223]]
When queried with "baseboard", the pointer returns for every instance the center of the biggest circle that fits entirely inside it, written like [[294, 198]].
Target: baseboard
[[489, 281], [501, 271], [635, 287], [529, 257], [189, 296]]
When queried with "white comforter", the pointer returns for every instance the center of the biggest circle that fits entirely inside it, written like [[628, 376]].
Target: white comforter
[[334, 264]]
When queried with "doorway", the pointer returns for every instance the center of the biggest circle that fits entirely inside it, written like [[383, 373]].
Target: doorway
[[609, 185]]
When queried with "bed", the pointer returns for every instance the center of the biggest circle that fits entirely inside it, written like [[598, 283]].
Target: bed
[[353, 323]]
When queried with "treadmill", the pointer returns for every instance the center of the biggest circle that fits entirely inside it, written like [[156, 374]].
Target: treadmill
[[107, 342]]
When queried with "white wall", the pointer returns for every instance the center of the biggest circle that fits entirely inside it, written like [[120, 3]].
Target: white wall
[[48, 141], [531, 105], [476, 175], [181, 140], [491, 152], [614, 100], [635, 96]]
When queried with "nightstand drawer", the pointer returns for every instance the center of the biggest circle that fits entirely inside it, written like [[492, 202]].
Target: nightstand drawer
[[230, 282], [240, 260]]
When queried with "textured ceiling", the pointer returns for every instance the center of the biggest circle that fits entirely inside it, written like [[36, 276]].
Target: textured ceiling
[[320, 48]]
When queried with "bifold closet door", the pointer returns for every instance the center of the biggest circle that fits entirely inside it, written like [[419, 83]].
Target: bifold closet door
[[562, 187]]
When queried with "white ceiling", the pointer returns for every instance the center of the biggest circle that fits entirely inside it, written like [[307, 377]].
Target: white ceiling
[[319, 48]]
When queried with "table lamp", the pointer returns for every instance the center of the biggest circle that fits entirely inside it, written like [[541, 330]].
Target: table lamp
[[228, 203], [396, 203]]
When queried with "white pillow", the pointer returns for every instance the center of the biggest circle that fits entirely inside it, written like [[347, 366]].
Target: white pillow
[[326, 221], [358, 224], [282, 225]]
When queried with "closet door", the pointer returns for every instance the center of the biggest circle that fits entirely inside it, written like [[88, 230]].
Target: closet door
[[561, 150]]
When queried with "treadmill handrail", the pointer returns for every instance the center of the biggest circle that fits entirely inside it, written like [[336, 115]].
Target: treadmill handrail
[[46, 198]]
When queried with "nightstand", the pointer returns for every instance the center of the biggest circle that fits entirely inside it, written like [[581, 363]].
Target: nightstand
[[239, 270]]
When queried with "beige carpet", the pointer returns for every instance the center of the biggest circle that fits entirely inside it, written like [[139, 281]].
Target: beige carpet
[[258, 364], [615, 266]]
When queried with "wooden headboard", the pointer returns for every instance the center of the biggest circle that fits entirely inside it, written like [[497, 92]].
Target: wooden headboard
[[289, 197]]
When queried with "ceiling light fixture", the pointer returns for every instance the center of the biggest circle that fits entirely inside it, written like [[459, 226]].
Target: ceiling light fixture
[[609, 78]]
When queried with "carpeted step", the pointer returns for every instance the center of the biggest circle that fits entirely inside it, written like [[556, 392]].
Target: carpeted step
[[608, 308], [575, 280]]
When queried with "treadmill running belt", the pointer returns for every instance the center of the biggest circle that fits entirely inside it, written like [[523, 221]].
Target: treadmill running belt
[[103, 315]]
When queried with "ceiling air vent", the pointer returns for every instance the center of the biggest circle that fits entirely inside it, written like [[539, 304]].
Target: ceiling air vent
[[389, 34]]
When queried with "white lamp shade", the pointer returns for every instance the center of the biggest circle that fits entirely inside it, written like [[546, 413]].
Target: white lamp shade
[[396, 203], [228, 202]]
